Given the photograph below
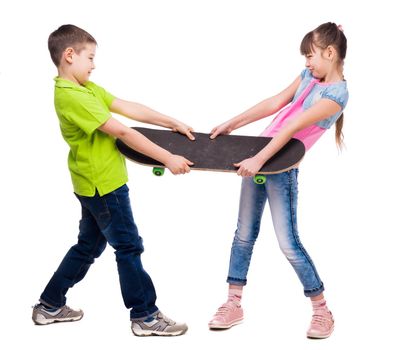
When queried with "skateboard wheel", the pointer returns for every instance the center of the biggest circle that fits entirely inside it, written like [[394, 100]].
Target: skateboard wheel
[[259, 179], [158, 171]]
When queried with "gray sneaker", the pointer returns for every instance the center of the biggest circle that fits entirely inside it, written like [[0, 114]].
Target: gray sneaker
[[157, 324], [43, 316]]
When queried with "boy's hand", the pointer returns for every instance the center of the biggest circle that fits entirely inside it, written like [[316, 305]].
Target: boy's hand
[[178, 164], [249, 167], [185, 130], [223, 129]]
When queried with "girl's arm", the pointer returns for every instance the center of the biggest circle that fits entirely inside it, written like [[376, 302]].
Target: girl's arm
[[144, 114], [263, 109], [323, 109]]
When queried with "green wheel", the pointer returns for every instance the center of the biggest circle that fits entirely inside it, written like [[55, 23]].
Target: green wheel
[[158, 171], [259, 179]]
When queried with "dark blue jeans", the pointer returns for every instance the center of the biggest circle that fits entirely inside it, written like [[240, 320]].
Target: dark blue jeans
[[105, 219]]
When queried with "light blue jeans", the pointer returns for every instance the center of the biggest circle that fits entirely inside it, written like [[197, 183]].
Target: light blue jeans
[[281, 190]]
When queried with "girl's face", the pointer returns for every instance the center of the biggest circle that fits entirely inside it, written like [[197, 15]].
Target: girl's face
[[317, 62]]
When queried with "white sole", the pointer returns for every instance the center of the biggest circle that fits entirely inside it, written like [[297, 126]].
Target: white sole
[[143, 333], [42, 321], [225, 326]]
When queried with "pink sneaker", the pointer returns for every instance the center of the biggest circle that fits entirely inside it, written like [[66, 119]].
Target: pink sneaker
[[228, 315], [322, 324]]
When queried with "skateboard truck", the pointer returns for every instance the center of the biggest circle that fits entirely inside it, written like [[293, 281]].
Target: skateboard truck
[[259, 179], [158, 171]]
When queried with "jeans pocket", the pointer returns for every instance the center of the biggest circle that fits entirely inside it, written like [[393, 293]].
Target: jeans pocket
[[104, 220], [293, 179], [104, 215]]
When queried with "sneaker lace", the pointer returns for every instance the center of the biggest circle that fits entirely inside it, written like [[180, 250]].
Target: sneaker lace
[[321, 319], [166, 319], [225, 308]]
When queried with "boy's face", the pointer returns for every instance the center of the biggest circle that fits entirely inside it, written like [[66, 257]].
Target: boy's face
[[82, 63]]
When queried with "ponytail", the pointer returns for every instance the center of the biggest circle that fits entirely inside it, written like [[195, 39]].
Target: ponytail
[[339, 135]]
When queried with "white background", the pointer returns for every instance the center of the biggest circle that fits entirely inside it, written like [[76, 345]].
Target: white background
[[204, 62]]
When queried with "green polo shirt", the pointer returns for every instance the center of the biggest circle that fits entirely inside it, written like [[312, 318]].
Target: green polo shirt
[[94, 161]]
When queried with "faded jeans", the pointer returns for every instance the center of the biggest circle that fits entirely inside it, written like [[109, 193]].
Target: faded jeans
[[281, 190]]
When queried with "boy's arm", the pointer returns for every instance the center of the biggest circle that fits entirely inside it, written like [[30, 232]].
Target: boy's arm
[[261, 110], [138, 142], [324, 108], [144, 114]]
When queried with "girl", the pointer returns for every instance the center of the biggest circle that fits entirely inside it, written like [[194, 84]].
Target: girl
[[318, 97]]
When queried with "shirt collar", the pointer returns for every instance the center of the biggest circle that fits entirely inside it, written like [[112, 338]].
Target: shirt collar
[[64, 83]]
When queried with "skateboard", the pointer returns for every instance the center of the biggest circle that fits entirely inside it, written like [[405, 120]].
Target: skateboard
[[216, 155]]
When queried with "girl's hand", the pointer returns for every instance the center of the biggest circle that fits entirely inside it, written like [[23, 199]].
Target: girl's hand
[[223, 129], [178, 164], [249, 167], [185, 130]]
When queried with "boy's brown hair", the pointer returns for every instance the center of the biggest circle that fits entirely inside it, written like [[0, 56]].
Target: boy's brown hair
[[67, 35]]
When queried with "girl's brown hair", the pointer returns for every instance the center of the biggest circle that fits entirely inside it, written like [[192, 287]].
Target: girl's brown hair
[[328, 34]]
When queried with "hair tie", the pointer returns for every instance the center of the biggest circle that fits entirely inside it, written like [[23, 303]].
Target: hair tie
[[340, 27]]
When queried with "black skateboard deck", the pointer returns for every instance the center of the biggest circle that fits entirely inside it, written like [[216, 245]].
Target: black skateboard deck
[[216, 155]]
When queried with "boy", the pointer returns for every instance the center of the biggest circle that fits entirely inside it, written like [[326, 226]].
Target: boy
[[99, 178]]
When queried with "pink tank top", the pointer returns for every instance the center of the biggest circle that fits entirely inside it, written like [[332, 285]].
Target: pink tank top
[[308, 135]]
